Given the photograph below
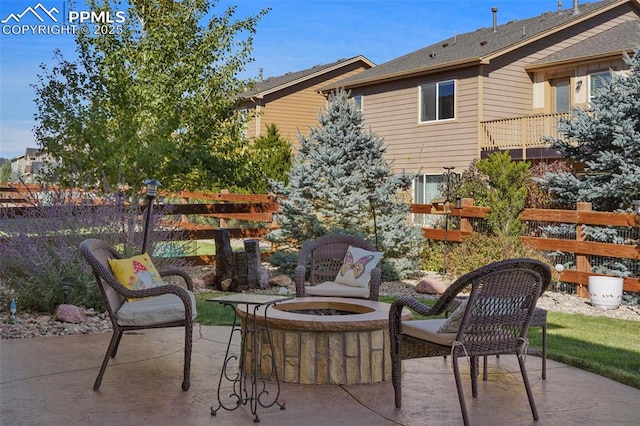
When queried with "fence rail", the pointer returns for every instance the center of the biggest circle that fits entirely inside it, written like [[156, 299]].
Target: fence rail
[[582, 216]]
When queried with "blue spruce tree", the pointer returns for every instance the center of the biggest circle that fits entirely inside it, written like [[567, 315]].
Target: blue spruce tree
[[337, 168], [606, 138]]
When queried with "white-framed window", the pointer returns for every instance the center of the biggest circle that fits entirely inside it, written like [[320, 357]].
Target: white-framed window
[[597, 81], [424, 189], [357, 102], [437, 101]]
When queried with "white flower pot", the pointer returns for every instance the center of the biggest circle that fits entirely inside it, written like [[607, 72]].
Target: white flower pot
[[605, 292]]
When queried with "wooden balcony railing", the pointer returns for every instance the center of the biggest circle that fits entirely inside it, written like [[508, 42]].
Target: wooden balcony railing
[[519, 132]]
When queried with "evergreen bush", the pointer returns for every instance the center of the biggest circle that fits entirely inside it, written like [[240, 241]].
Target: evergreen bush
[[337, 168], [272, 154], [605, 137]]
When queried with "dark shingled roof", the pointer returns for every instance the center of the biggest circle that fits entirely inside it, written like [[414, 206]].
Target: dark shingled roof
[[623, 37], [471, 47], [292, 77]]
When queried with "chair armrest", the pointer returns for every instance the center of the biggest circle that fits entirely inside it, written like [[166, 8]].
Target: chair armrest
[[180, 273], [299, 280], [411, 303]]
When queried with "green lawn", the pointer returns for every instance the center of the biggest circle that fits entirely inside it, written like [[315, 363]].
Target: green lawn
[[604, 346]]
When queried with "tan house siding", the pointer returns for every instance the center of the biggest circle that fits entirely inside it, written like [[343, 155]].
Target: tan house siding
[[295, 108], [507, 74], [392, 110], [506, 86]]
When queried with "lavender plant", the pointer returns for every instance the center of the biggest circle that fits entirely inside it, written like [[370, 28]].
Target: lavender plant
[[40, 247]]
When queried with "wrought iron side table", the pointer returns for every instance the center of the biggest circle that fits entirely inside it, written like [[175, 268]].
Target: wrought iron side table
[[248, 387]]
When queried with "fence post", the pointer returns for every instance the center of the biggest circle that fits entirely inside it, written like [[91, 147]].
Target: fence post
[[582, 261], [184, 218], [223, 221], [465, 223]]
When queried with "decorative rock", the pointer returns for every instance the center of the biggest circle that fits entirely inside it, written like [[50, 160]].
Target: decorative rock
[[264, 277], [70, 313], [43, 319], [209, 279], [430, 286], [283, 291], [198, 283], [280, 281]]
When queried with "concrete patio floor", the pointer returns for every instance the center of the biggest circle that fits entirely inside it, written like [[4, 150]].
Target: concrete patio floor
[[48, 381]]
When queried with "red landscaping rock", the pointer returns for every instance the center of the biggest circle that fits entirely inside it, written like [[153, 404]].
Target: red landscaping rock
[[280, 281], [70, 313], [430, 286]]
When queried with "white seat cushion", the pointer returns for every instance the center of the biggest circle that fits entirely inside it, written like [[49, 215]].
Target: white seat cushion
[[329, 288], [428, 330], [154, 310]]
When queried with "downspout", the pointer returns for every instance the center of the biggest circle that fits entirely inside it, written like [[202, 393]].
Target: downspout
[[480, 110]]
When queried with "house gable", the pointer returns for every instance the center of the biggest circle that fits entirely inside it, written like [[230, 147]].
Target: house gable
[[292, 101]]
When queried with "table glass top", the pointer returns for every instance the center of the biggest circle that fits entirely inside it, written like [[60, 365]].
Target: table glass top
[[250, 298]]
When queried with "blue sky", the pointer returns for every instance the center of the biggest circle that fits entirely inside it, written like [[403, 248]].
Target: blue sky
[[294, 35]]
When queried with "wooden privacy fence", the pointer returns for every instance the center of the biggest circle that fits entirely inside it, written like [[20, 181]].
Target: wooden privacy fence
[[582, 216], [251, 216], [254, 210]]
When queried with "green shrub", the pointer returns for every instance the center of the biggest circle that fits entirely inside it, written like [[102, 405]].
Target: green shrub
[[481, 249], [432, 255]]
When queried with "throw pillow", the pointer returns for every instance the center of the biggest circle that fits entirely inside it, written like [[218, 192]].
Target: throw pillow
[[136, 273], [356, 267], [452, 323]]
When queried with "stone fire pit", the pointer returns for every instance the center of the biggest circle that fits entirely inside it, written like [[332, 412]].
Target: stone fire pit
[[326, 340]]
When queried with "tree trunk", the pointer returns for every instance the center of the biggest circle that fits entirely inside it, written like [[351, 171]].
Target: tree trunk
[[239, 282], [224, 257], [252, 249]]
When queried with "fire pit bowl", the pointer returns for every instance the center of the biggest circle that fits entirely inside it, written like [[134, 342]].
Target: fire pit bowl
[[326, 340]]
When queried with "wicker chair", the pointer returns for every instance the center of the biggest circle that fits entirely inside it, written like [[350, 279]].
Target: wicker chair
[[539, 318], [495, 321], [319, 262], [164, 306]]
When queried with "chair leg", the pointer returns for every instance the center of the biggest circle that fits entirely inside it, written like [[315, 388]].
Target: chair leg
[[463, 406], [544, 352], [485, 376], [527, 386], [188, 343], [396, 378], [474, 376], [113, 345], [114, 350]]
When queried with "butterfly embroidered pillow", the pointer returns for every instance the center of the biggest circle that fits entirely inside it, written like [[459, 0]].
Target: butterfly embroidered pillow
[[356, 267], [136, 273]]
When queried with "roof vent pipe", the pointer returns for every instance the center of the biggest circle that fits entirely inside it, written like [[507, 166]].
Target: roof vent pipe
[[559, 7], [494, 10], [575, 7]]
